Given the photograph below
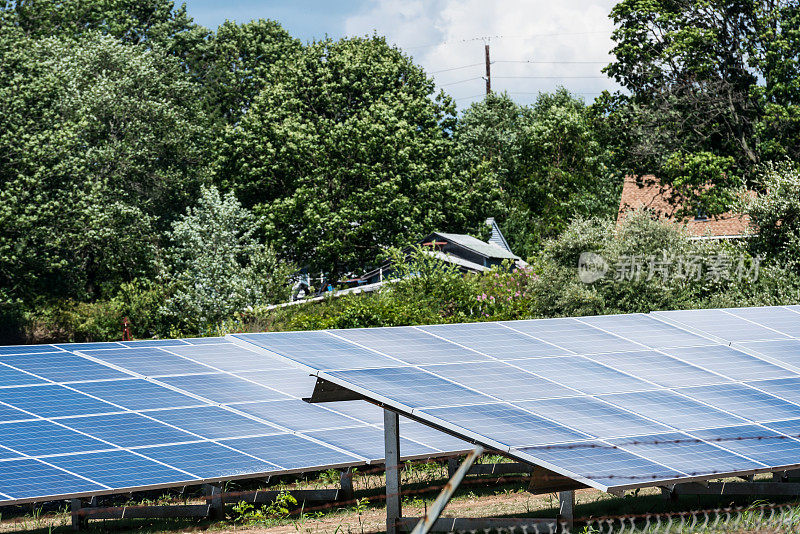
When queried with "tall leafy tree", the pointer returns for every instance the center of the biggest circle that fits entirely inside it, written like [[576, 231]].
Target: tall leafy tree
[[546, 159], [713, 90], [343, 154], [239, 60], [101, 143]]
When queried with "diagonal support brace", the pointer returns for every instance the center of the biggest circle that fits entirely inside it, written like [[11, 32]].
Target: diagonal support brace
[[437, 507]]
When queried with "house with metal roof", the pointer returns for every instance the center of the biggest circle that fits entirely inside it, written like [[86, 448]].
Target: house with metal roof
[[468, 253]]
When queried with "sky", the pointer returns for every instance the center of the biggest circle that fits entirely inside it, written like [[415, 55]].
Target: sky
[[535, 45]]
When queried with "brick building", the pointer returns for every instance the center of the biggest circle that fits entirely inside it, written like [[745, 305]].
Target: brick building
[[646, 192]]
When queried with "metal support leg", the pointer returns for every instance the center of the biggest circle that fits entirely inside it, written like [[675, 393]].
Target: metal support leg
[[566, 512], [346, 492], [215, 500], [452, 465], [391, 429], [77, 518]]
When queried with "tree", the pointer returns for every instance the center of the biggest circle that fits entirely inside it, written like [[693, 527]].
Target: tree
[[240, 61], [775, 216], [216, 266], [344, 154], [546, 159], [140, 22], [101, 144], [714, 91]]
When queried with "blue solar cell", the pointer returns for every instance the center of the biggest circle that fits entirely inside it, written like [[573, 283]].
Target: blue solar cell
[[293, 382], [431, 437], [318, 350], [213, 422], [127, 430], [673, 409], [573, 335], [411, 345], [367, 441], [21, 479], [789, 428], [297, 416], [507, 424], [148, 361], [137, 394], [603, 463], [230, 357], [53, 401], [730, 362], [154, 343], [756, 442], [646, 330], [208, 460], [62, 367], [583, 375], [785, 351], [7, 413], [223, 388], [495, 340], [26, 349], [687, 454], [593, 417], [12, 377], [786, 388], [6, 453], [39, 438], [291, 451], [501, 380], [774, 318], [120, 469], [720, 324], [744, 401], [659, 368], [363, 411], [204, 340], [412, 387], [72, 347]]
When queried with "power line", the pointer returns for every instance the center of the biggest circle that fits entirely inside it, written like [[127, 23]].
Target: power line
[[460, 81], [551, 77], [456, 68], [487, 38], [551, 62]]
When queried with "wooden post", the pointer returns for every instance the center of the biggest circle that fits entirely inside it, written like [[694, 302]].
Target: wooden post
[[346, 492], [452, 465], [566, 504], [488, 71], [391, 430], [77, 518], [215, 500]]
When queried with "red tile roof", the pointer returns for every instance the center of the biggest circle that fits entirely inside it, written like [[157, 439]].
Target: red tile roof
[[648, 192]]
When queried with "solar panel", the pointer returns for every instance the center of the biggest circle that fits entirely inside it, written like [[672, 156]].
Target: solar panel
[[111, 417], [616, 401]]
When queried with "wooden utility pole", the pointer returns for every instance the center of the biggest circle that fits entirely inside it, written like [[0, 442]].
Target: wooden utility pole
[[488, 72]]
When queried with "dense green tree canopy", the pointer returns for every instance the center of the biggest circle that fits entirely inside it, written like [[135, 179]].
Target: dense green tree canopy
[[343, 154], [714, 90], [100, 145]]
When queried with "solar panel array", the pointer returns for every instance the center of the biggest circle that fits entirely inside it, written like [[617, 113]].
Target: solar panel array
[[615, 402], [93, 418]]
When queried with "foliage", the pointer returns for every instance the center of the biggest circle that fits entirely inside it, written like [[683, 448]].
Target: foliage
[[343, 153], [714, 91], [545, 159], [278, 509], [100, 143], [775, 216], [216, 265]]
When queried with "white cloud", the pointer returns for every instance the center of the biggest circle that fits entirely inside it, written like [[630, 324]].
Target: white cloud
[[443, 34]]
